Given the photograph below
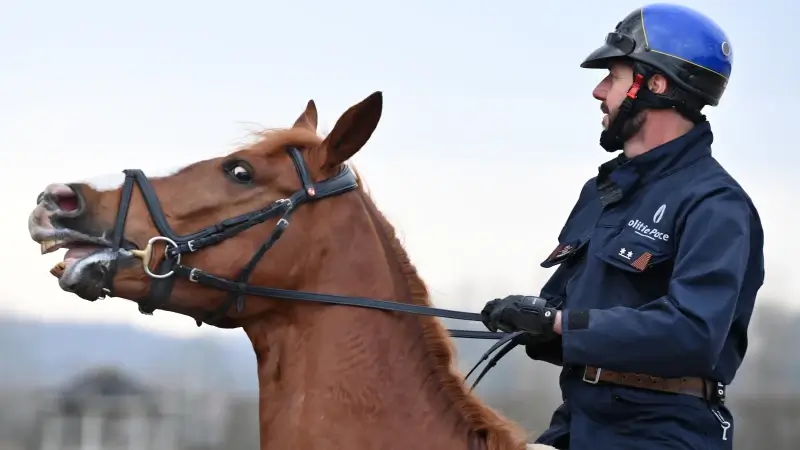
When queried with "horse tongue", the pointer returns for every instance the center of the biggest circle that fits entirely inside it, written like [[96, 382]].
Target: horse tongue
[[79, 252]]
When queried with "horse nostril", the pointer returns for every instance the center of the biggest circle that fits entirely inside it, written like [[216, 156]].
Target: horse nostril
[[64, 197], [67, 203]]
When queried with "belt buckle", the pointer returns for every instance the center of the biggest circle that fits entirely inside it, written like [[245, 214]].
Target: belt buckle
[[596, 376]]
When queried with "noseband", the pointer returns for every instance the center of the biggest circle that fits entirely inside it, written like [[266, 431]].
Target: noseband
[[170, 267]]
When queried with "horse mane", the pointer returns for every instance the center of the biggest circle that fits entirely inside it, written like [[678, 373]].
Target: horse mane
[[497, 432]]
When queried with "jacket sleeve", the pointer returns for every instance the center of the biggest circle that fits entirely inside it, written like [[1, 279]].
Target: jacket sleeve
[[684, 331]]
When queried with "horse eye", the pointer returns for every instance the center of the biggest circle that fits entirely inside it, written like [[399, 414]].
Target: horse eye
[[240, 173]]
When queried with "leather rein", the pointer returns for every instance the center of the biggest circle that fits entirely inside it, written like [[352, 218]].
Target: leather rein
[[170, 267]]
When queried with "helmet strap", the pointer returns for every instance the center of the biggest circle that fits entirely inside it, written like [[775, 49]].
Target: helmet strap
[[613, 138], [640, 98]]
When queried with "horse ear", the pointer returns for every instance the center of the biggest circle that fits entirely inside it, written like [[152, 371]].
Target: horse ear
[[351, 132], [309, 117]]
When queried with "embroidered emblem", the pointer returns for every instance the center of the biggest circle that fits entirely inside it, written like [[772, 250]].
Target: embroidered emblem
[[561, 252], [641, 262]]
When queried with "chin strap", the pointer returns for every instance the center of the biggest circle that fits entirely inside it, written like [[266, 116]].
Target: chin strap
[[639, 98], [612, 138]]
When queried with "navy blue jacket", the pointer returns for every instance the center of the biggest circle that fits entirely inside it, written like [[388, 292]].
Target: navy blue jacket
[[659, 264]]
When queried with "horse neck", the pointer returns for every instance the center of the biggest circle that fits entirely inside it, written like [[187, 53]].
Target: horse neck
[[344, 377]]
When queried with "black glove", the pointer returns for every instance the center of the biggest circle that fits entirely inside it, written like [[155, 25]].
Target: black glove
[[535, 341], [521, 313]]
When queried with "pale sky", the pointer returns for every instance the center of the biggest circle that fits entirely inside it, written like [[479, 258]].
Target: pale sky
[[488, 132]]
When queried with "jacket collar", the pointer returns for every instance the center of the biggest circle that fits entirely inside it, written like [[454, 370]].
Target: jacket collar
[[620, 176]]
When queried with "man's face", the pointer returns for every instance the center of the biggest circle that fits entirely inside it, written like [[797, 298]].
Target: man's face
[[612, 89]]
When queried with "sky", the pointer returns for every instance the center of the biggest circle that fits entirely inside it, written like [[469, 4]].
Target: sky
[[489, 128]]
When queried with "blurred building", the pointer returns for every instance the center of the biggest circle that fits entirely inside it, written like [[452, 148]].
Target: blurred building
[[106, 410]]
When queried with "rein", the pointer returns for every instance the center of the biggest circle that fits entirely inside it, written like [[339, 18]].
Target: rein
[[170, 267]]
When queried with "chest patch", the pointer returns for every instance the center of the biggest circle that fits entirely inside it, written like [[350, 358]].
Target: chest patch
[[633, 257]]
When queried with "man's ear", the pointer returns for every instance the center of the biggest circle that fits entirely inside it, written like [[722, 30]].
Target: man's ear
[[657, 84], [308, 119], [351, 132]]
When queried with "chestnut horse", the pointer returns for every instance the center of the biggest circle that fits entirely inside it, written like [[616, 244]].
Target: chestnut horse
[[331, 376]]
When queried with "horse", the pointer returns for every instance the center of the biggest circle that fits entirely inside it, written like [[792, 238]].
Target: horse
[[331, 374]]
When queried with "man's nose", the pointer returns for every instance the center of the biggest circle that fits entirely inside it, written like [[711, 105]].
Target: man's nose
[[600, 92], [61, 199]]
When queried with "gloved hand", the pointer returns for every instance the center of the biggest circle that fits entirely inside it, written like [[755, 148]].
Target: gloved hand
[[538, 348], [535, 340], [521, 313]]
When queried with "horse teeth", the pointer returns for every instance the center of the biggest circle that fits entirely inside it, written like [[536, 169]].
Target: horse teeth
[[58, 269], [49, 244], [46, 245]]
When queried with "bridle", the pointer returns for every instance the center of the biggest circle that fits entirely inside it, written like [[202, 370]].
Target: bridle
[[171, 268]]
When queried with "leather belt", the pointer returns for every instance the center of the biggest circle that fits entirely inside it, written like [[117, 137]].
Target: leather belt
[[695, 386]]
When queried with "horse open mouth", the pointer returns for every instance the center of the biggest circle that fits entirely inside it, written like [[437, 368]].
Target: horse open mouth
[[84, 268], [76, 251]]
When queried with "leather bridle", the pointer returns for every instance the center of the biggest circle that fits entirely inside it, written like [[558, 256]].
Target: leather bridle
[[170, 267]]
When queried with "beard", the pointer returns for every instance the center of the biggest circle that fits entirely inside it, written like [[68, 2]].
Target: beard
[[633, 125], [630, 128]]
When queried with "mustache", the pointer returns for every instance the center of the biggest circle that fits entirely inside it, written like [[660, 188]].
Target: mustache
[[604, 108]]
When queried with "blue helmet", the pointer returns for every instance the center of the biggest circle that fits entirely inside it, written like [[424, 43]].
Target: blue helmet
[[681, 44], [687, 47]]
